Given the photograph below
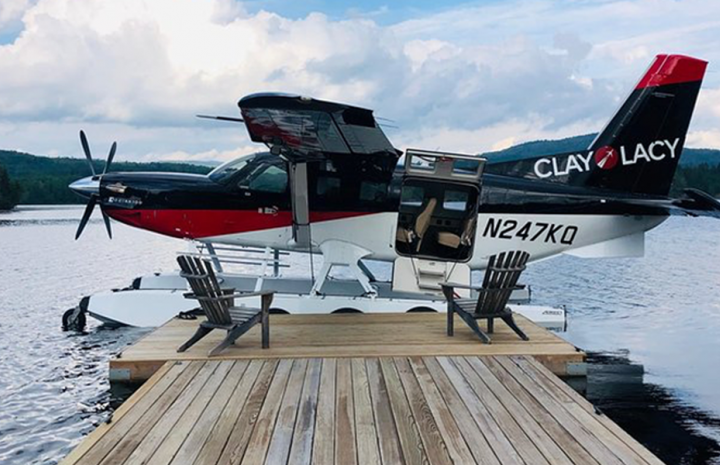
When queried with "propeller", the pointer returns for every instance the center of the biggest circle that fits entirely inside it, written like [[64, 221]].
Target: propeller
[[95, 196]]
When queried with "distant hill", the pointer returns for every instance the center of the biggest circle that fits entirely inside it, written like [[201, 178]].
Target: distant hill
[[690, 157], [44, 180]]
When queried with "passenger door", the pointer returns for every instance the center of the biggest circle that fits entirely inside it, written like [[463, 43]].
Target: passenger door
[[439, 202]]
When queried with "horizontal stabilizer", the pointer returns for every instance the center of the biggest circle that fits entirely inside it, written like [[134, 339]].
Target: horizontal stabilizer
[[626, 246], [694, 202]]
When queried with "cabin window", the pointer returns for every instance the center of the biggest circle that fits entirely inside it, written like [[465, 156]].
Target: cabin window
[[373, 191], [455, 200], [412, 196], [328, 186], [272, 179], [467, 167]]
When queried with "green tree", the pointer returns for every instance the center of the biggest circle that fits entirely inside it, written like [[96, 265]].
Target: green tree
[[9, 191]]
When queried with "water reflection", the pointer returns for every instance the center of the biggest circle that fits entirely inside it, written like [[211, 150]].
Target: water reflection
[[672, 428]]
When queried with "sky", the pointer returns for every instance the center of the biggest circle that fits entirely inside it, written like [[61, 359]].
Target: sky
[[461, 76]]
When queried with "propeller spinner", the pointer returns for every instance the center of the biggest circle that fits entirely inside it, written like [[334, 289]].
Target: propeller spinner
[[90, 187]]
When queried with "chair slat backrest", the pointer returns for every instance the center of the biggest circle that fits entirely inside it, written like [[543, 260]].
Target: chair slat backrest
[[501, 277], [203, 283]]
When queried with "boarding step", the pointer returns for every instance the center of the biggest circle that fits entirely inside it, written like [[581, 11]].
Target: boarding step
[[425, 276]]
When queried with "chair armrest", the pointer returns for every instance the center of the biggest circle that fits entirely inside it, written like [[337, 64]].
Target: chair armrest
[[475, 288], [250, 294], [452, 285], [190, 295]]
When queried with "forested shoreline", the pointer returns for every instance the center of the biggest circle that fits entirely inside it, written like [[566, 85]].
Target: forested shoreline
[[45, 180]]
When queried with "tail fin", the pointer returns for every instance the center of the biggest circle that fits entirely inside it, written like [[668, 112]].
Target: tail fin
[[639, 149]]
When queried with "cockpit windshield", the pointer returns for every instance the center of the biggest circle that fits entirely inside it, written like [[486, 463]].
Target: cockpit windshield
[[228, 169]]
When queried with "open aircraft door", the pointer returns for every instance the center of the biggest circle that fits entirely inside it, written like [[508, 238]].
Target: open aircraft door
[[438, 206], [437, 219]]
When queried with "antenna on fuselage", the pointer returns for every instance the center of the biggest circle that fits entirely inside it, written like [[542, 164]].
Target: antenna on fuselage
[[222, 118]]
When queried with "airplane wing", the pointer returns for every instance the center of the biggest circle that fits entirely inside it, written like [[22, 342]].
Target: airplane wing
[[306, 125]]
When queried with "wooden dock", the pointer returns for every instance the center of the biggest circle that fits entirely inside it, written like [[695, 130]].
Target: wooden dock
[[347, 335], [356, 389], [363, 410]]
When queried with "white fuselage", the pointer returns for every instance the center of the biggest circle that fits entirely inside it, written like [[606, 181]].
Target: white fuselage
[[542, 236]]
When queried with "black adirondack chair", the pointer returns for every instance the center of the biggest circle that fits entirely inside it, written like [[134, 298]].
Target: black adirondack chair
[[501, 277], [218, 306]]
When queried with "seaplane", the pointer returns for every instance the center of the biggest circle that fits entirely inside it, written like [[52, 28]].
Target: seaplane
[[330, 182]]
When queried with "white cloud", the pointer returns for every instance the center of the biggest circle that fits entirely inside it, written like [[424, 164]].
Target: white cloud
[[709, 138], [473, 77], [489, 138], [12, 10]]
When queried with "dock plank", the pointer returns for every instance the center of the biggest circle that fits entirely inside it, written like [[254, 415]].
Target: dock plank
[[324, 438], [140, 447], [501, 444], [262, 432], [201, 430], [365, 427], [345, 444], [599, 450], [118, 442], [648, 456], [218, 436], [281, 440], [590, 420], [176, 434], [388, 440], [534, 431], [448, 428], [520, 440], [536, 410], [474, 437], [301, 448], [432, 438], [244, 425], [141, 396], [408, 435]]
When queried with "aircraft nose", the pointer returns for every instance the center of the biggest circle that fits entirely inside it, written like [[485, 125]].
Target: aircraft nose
[[86, 186]]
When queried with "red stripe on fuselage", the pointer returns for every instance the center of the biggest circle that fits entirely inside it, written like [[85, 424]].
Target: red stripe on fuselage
[[672, 69], [197, 224]]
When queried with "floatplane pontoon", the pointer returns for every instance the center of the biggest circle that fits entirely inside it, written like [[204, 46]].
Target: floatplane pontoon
[[332, 183], [155, 298]]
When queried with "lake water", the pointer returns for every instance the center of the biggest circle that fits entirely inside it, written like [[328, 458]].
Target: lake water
[[651, 325]]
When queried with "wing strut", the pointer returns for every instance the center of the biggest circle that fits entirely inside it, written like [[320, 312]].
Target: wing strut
[[300, 206]]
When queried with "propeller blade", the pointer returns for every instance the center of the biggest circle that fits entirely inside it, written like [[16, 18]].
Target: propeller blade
[[106, 218], [110, 157], [86, 149], [86, 215]]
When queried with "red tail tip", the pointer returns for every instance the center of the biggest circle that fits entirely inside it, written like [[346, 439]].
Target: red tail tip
[[673, 69]]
